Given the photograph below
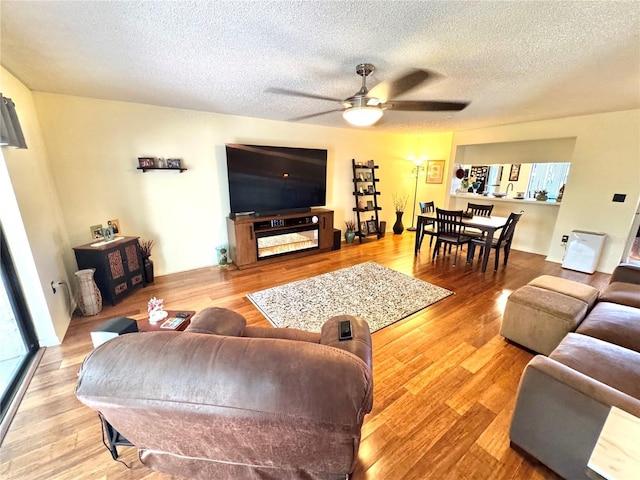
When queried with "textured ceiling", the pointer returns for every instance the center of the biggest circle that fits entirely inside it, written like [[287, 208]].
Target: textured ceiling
[[514, 61]]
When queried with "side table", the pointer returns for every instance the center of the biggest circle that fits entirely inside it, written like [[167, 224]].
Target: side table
[[146, 326], [616, 455]]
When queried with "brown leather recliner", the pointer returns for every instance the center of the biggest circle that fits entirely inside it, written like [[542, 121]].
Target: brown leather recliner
[[225, 401]]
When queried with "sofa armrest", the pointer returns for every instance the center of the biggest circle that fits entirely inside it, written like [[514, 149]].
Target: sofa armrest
[[559, 413], [217, 321], [627, 273], [359, 345]]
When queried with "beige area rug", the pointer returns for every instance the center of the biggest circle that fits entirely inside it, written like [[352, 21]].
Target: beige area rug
[[378, 294]]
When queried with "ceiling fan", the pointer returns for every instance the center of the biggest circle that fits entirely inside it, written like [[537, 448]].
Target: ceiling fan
[[366, 106]]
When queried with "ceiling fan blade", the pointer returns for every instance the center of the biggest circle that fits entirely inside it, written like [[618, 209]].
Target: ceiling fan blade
[[393, 88], [294, 93], [304, 117], [424, 106]]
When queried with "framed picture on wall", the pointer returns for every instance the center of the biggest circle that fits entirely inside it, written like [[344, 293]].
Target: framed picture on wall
[[435, 171], [514, 174]]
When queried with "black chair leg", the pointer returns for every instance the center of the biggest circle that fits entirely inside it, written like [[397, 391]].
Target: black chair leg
[[471, 250], [495, 267], [507, 249]]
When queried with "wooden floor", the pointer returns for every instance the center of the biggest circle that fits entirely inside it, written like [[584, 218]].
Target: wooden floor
[[445, 381]]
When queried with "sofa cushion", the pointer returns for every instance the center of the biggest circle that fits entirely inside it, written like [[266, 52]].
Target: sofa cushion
[[622, 293], [615, 366], [586, 293], [613, 323]]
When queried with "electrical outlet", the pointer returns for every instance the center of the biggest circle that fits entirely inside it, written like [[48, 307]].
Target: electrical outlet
[[565, 238]]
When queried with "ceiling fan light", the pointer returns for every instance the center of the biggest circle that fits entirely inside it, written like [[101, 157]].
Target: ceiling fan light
[[362, 116]]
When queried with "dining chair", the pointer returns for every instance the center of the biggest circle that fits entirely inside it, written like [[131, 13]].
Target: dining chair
[[480, 210], [477, 210], [429, 228], [503, 241], [449, 231]]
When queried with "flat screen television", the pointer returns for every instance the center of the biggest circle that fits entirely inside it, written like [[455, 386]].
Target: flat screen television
[[265, 180]]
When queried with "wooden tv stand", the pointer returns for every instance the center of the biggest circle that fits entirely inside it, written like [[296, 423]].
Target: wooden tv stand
[[255, 241]]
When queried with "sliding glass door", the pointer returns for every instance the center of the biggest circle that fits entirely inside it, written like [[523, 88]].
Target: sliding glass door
[[18, 343]]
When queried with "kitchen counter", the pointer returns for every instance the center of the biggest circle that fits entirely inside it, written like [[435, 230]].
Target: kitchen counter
[[534, 231], [473, 197]]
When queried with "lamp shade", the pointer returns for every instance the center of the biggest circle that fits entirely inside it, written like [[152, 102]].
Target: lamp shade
[[10, 130], [362, 116]]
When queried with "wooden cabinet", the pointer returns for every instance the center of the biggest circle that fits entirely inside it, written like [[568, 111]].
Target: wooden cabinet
[[365, 191], [118, 263], [255, 241]]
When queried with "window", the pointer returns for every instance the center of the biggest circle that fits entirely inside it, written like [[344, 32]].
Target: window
[[548, 176]]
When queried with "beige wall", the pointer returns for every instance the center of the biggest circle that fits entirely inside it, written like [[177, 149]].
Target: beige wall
[[80, 170], [33, 221], [605, 160], [94, 144]]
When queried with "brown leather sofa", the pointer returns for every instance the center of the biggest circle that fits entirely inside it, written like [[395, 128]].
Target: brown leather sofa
[[223, 400], [564, 399]]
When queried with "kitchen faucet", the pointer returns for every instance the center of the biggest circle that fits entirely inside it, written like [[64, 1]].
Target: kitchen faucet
[[510, 185]]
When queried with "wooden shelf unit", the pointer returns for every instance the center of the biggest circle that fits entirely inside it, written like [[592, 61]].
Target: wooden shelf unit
[[245, 233], [365, 185]]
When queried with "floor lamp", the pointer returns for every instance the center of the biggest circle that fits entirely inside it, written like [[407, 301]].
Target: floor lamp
[[415, 171]]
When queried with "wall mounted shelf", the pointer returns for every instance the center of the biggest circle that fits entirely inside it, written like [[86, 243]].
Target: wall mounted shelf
[[144, 169]]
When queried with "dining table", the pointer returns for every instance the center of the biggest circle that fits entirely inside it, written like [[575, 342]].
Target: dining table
[[488, 225]]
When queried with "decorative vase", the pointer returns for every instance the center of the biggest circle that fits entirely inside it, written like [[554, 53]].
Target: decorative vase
[[398, 228], [89, 296], [349, 235], [148, 270]]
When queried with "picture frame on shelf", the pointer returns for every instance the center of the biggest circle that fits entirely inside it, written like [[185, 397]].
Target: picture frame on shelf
[[115, 224], [96, 232], [370, 163], [370, 205], [363, 227], [146, 162], [174, 163], [372, 227], [107, 234], [368, 177], [435, 171], [370, 189], [514, 174]]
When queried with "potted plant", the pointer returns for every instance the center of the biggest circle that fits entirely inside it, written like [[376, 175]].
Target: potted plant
[[541, 195], [145, 250], [400, 203], [350, 234]]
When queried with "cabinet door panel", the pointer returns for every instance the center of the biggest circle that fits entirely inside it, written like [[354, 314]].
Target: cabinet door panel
[[326, 230]]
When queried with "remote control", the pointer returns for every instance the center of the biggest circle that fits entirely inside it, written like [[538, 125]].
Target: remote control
[[345, 330], [182, 315]]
